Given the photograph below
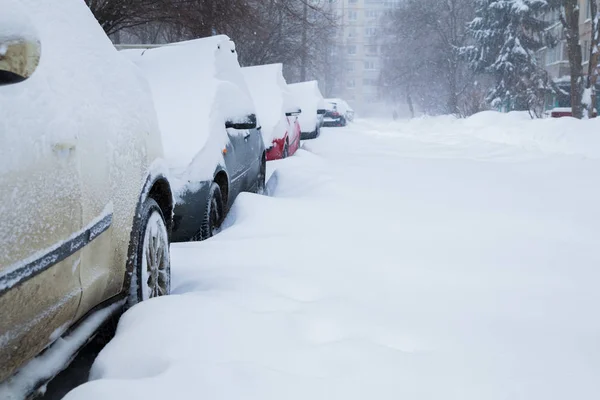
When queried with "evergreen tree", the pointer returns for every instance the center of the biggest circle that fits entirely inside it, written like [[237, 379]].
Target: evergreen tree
[[507, 35]]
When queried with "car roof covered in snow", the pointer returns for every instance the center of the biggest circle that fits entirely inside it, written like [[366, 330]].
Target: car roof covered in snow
[[272, 99], [342, 105], [197, 85], [309, 99]]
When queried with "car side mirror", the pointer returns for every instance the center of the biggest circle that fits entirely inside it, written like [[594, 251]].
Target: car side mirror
[[249, 122], [19, 58], [321, 111], [294, 113]]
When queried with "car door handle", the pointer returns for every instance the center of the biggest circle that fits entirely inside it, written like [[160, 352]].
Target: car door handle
[[247, 135]]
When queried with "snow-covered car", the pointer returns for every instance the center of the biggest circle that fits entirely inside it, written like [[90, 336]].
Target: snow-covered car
[[338, 112], [277, 113], [209, 131], [86, 205], [309, 98]]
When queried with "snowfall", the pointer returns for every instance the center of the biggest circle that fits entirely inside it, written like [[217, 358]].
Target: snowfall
[[435, 258]]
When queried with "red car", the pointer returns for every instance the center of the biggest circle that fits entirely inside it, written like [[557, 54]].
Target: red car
[[289, 143]]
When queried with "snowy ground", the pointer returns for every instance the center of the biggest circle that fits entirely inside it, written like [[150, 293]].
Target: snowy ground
[[433, 259]]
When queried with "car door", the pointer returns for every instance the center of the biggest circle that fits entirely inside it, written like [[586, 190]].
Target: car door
[[254, 148], [41, 233], [236, 161]]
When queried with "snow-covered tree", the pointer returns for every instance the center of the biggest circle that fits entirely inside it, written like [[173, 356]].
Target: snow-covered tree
[[507, 36]]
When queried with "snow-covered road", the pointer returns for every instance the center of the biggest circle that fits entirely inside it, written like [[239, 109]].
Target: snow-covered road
[[436, 259]]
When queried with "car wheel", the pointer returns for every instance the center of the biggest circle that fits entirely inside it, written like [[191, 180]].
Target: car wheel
[[214, 213], [262, 176], [152, 269]]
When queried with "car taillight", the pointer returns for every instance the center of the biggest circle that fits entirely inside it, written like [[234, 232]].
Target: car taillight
[[335, 114]]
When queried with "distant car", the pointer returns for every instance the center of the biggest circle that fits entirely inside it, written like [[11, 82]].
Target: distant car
[[209, 130], [338, 112], [277, 113], [309, 98], [334, 116], [86, 205], [559, 112]]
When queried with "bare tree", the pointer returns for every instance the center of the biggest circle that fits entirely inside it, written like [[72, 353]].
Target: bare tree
[[569, 18], [422, 55], [592, 77]]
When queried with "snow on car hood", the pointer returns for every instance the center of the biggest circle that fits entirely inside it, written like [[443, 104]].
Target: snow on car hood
[[309, 98], [197, 86], [272, 99]]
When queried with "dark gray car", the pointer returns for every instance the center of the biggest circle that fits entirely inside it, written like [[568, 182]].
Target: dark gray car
[[200, 211]]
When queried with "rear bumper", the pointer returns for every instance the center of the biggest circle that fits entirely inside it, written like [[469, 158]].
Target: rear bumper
[[328, 122], [309, 135]]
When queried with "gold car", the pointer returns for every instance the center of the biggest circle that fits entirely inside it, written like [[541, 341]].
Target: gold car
[[86, 206]]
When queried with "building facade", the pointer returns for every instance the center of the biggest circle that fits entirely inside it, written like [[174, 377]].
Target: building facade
[[358, 50]]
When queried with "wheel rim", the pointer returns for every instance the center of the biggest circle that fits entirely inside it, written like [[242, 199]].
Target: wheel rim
[[155, 258]]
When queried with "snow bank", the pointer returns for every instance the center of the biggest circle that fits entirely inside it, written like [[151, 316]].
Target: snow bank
[[197, 86], [568, 136], [272, 99], [309, 99], [427, 264]]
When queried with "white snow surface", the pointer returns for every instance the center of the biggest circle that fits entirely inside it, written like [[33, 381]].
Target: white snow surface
[[309, 99], [272, 99], [15, 23], [436, 258], [196, 85]]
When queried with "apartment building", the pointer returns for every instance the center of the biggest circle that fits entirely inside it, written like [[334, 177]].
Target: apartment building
[[358, 49], [557, 58]]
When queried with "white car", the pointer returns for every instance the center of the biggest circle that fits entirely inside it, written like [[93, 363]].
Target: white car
[[309, 98], [86, 205]]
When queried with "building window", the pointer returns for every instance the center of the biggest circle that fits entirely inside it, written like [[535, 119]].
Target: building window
[[586, 51], [352, 15], [370, 65], [370, 82], [352, 50], [554, 54], [588, 9], [371, 50], [370, 31], [350, 67], [351, 84]]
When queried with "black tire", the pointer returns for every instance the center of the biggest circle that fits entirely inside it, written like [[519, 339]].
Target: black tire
[[343, 122], [286, 150], [214, 213], [152, 246], [262, 176]]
